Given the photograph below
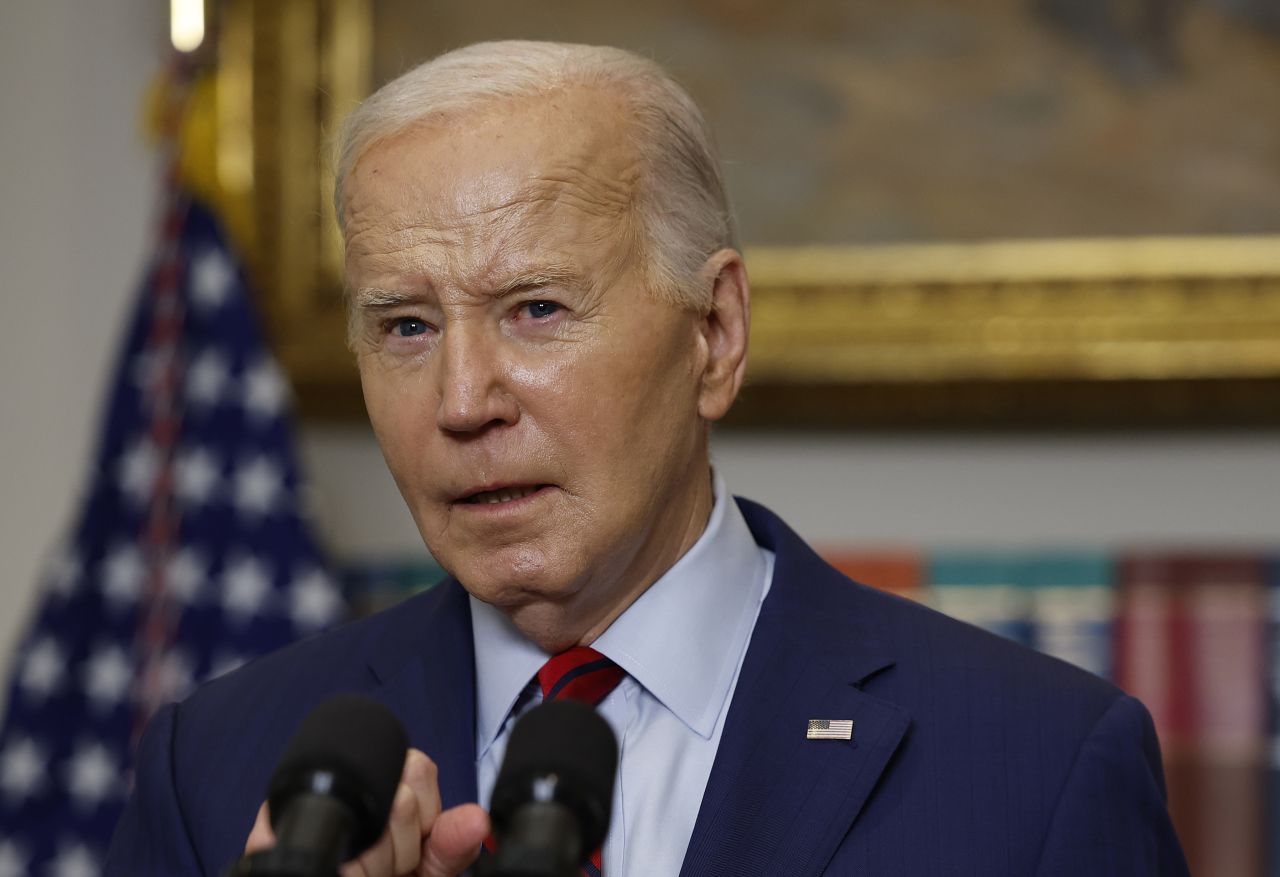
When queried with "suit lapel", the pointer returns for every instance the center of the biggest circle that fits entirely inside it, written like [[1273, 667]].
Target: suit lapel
[[776, 802], [425, 670]]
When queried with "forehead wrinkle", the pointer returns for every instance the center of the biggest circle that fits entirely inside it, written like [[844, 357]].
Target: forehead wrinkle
[[602, 207], [582, 197], [596, 193], [375, 241]]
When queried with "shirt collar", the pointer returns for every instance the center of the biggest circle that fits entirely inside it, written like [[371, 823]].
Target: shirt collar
[[682, 639]]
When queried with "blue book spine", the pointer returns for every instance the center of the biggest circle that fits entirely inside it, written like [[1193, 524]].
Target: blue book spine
[[1071, 605], [981, 588]]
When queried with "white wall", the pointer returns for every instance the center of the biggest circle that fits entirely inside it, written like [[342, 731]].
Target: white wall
[[76, 204], [76, 194], [1103, 491]]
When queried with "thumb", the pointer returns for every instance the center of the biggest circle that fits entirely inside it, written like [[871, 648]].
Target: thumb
[[261, 837], [454, 842]]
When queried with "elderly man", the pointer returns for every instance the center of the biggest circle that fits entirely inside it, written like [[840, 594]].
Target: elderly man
[[548, 313]]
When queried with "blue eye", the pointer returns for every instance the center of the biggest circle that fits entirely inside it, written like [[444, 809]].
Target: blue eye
[[539, 309], [408, 326]]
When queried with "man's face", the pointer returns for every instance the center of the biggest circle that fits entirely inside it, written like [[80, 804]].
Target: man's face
[[537, 406]]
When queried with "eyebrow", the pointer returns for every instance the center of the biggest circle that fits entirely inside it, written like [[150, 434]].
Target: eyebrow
[[377, 298], [545, 275]]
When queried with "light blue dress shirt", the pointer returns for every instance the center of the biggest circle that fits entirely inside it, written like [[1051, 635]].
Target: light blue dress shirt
[[682, 644]]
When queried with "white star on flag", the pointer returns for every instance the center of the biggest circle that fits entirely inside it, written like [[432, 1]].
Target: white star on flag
[[177, 561], [184, 576], [314, 601], [245, 586], [123, 572], [258, 484], [137, 471], [22, 766], [212, 277], [42, 669], [265, 390], [13, 860], [175, 675], [91, 775], [196, 476], [206, 379], [74, 861], [108, 676]]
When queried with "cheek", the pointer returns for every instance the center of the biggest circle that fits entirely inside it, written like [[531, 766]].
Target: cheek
[[398, 418], [634, 410]]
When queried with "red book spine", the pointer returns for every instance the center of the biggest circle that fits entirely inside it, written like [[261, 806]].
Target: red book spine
[[1151, 663], [1190, 645], [1226, 598], [1148, 631]]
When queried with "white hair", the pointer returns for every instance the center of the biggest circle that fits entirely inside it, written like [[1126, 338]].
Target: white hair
[[681, 202]]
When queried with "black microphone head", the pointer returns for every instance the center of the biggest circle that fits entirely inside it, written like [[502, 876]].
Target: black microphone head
[[565, 752], [350, 747]]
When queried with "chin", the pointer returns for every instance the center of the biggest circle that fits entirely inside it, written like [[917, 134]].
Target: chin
[[509, 585]]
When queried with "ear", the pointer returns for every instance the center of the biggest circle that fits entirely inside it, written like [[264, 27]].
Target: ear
[[724, 333]]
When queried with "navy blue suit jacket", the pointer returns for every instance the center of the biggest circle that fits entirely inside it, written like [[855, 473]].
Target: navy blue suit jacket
[[970, 755]]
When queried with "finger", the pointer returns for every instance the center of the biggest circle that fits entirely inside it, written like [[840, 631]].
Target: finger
[[399, 849], [353, 869], [377, 861], [261, 837], [454, 842], [406, 831], [422, 777]]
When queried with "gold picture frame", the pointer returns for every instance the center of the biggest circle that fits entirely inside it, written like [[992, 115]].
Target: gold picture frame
[[1123, 332]]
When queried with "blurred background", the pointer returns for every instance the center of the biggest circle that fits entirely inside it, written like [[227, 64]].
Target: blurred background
[[1109, 503]]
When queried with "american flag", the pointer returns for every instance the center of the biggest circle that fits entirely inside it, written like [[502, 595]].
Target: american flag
[[190, 556], [830, 729]]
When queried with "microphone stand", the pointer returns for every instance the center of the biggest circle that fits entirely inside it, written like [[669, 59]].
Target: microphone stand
[[313, 834]]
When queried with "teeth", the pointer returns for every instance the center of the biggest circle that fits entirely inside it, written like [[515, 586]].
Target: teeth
[[505, 494]]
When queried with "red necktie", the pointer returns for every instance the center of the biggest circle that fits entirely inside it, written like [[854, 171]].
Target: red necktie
[[581, 673]]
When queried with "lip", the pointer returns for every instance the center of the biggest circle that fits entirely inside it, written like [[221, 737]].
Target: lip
[[499, 508]]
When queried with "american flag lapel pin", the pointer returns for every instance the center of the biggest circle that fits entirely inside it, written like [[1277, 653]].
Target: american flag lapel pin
[[830, 729]]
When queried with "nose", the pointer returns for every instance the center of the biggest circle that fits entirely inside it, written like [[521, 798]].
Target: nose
[[474, 396]]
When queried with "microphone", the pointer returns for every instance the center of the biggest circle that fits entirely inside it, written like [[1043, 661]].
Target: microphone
[[552, 800], [332, 791]]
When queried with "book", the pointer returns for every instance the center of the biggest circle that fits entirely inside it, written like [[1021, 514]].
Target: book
[[898, 572], [981, 588], [1271, 826], [1227, 609], [1070, 604], [1190, 645]]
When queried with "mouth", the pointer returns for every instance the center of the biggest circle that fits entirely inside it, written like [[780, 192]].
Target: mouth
[[502, 495]]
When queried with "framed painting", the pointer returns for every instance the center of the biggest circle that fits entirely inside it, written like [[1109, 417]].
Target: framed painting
[[1004, 213]]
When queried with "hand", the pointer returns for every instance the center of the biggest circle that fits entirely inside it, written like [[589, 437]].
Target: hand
[[420, 840]]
